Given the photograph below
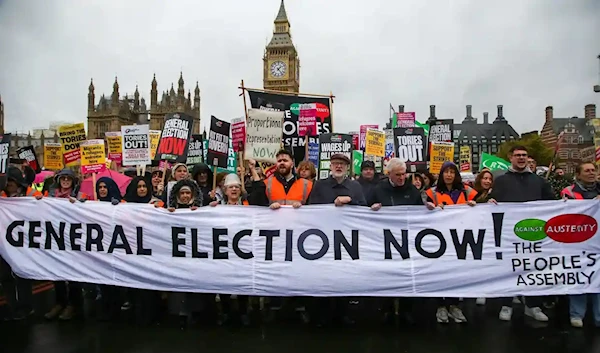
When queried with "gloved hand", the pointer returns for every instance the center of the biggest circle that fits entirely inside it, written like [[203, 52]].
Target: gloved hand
[[114, 201]]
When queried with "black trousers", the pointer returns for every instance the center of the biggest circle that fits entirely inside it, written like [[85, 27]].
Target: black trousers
[[18, 290], [68, 293], [226, 303]]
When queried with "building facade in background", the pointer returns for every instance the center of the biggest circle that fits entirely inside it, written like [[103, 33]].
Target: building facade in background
[[281, 64], [577, 144], [112, 113]]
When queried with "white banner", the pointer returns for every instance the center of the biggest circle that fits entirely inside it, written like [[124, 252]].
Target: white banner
[[539, 248], [264, 129], [136, 145]]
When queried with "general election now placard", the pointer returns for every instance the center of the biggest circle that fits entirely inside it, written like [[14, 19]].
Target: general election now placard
[[536, 248]]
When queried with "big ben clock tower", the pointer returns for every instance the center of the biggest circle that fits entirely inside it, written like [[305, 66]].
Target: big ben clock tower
[[281, 62]]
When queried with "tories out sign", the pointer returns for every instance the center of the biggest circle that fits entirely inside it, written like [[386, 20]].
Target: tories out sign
[[536, 248]]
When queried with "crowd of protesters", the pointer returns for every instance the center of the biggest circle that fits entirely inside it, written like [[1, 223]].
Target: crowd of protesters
[[183, 188]]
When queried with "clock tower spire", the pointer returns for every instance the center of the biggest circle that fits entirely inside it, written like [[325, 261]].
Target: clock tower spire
[[281, 65]]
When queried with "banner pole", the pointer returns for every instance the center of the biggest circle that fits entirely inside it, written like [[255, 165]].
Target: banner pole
[[288, 93], [214, 177], [331, 98], [306, 147], [94, 186], [242, 170]]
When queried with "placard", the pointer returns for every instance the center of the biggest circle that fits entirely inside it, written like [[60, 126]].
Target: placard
[[174, 138], [136, 145], [218, 143], [71, 136], [53, 158], [238, 134], [28, 154], [114, 140], [410, 147], [440, 152], [375, 143], [263, 135], [93, 157], [330, 144]]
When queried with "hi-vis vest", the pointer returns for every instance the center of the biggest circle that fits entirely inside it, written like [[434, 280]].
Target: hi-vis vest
[[298, 192], [568, 192], [468, 194], [30, 192]]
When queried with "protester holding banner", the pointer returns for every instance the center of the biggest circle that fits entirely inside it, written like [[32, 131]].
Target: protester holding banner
[[66, 186], [17, 289], [146, 303], [450, 190], [157, 178], [418, 181], [520, 184], [108, 191], [585, 188], [282, 188], [232, 192], [338, 188]]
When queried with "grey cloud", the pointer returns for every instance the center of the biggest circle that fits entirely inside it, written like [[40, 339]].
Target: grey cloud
[[522, 54]]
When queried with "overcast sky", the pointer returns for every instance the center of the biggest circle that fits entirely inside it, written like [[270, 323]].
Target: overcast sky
[[524, 55]]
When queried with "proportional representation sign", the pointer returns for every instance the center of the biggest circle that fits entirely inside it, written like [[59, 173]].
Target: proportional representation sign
[[263, 135], [290, 105], [536, 248]]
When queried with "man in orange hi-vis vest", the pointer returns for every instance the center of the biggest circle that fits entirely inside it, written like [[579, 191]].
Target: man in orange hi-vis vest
[[282, 188]]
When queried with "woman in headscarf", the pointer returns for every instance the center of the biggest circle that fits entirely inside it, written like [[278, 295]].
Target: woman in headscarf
[[17, 289], [232, 187], [146, 303], [66, 186], [185, 195], [179, 172], [108, 191], [450, 190]]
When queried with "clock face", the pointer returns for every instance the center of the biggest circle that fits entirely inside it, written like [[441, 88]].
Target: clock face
[[278, 69]]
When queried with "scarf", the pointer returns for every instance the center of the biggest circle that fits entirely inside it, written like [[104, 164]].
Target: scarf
[[586, 187], [113, 190], [131, 194], [59, 193]]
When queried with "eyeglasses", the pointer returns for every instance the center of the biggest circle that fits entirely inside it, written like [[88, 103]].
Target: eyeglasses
[[520, 155], [338, 163]]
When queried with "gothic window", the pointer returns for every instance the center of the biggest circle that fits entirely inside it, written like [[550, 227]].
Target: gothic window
[[475, 149], [494, 148], [580, 139]]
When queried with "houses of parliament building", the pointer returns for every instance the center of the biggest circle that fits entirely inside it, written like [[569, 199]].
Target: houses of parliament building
[[281, 72]]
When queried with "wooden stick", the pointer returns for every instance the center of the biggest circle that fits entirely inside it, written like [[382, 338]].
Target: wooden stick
[[285, 93], [306, 147], [94, 186], [137, 170], [144, 170], [242, 169], [214, 178], [331, 97]]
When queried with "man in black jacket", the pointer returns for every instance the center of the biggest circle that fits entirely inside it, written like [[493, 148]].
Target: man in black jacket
[[368, 179], [396, 191], [520, 184]]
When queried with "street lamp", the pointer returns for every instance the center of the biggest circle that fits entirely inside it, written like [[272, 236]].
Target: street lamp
[[597, 87]]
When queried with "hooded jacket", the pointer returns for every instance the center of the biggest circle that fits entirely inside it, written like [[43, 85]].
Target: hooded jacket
[[74, 188], [196, 194], [199, 168], [15, 174]]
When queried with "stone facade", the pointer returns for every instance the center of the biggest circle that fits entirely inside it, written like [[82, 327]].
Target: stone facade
[[112, 113]]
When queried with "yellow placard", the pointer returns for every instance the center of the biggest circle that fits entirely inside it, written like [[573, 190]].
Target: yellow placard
[[114, 140], [375, 143], [93, 158], [53, 157], [465, 159], [154, 138], [440, 152], [71, 136]]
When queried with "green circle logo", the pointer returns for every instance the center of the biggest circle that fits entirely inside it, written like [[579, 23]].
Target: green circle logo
[[530, 229]]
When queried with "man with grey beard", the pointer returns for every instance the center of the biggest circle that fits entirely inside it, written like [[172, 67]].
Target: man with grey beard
[[339, 190]]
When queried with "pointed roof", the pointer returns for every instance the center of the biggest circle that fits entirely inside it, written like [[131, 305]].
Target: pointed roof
[[281, 15]]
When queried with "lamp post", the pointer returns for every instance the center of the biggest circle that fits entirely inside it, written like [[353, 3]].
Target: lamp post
[[597, 87]]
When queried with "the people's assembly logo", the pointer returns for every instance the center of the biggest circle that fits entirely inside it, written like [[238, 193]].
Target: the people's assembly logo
[[565, 228]]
